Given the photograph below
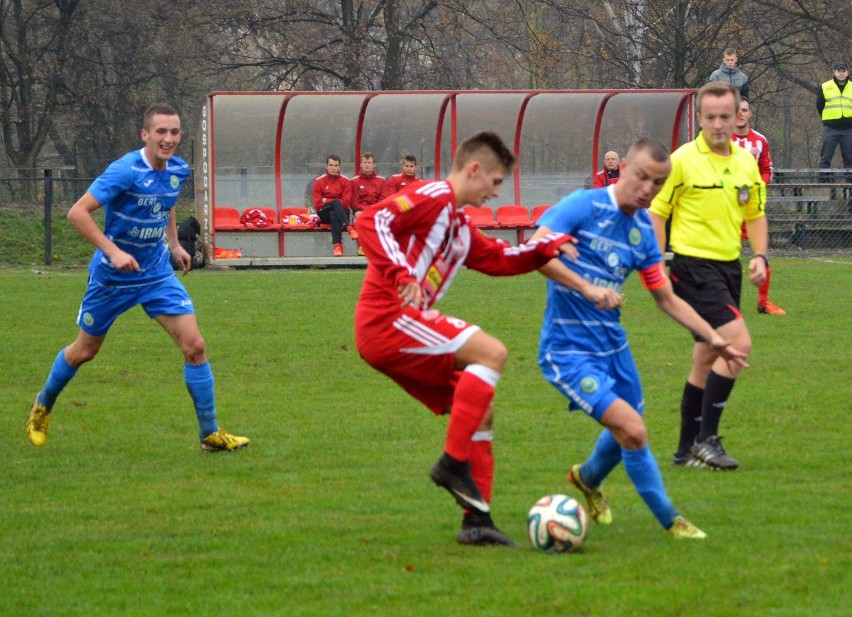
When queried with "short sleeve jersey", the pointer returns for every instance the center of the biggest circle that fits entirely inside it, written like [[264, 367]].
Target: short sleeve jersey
[[708, 197], [137, 200], [611, 244]]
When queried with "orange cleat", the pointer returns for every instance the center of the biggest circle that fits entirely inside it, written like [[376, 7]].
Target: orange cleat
[[770, 308]]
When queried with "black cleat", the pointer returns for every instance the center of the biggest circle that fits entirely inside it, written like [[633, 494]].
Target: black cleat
[[454, 476], [686, 459], [479, 530], [711, 453]]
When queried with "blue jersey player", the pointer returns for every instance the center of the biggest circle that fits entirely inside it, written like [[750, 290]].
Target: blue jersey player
[[131, 266], [583, 349]]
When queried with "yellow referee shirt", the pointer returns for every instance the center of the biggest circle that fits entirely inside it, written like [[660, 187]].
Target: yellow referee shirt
[[708, 197]]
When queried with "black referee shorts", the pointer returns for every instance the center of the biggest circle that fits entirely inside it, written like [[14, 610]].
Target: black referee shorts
[[711, 287]]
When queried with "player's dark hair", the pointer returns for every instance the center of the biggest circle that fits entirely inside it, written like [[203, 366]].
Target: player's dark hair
[[718, 89], [332, 157], [486, 140], [654, 147], [410, 158], [157, 109], [367, 155]]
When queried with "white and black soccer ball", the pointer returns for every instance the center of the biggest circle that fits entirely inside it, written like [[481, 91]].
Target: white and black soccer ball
[[557, 524]]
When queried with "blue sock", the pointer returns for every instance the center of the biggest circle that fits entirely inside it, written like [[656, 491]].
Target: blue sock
[[603, 459], [642, 468], [199, 382], [60, 374]]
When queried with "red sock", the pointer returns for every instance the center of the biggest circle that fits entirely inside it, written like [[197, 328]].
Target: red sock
[[482, 463], [470, 404], [763, 290]]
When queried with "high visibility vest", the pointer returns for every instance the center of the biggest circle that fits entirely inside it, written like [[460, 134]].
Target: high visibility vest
[[837, 104]]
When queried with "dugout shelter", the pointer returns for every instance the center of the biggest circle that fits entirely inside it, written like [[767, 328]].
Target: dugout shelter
[[264, 149]]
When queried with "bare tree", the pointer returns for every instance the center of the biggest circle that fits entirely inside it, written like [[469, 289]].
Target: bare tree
[[34, 42]]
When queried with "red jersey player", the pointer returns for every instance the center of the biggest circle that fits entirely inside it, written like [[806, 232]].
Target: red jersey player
[[399, 181], [368, 187], [756, 143], [415, 242]]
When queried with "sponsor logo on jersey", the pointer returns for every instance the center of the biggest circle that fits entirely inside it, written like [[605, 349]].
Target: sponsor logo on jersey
[[612, 259], [146, 233]]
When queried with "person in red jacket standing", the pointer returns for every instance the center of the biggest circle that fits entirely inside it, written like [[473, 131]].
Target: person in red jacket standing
[[609, 174], [415, 242], [367, 187], [332, 195], [756, 143], [399, 181]]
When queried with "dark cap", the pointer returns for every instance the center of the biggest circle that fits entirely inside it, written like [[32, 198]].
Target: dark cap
[[840, 65]]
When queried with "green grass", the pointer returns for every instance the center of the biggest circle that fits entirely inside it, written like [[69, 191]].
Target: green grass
[[330, 510]]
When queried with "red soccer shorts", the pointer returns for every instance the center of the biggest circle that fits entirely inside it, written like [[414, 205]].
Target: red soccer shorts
[[417, 350]]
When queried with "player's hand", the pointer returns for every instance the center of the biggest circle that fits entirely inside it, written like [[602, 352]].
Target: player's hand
[[757, 271], [568, 248], [182, 258], [733, 356], [124, 261], [606, 299], [411, 295]]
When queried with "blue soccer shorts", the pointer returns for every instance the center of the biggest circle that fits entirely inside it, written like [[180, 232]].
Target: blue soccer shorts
[[102, 304], [593, 382]]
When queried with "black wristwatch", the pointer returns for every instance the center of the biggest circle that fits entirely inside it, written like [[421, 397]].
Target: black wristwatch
[[763, 257]]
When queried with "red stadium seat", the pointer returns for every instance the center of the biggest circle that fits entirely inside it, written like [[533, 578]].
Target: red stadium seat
[[513, 216], [227, 219], [481, 216], [537, 211]]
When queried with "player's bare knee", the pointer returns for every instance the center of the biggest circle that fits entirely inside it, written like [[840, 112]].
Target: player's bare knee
[[497, 355], [193, 350]]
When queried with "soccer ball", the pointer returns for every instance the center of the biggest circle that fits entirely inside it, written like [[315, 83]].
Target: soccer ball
[[557, 524]]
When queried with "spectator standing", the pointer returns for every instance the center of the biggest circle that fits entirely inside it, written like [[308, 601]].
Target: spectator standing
[[756, 143], [332, 194], [583, 349], [416, 242], [407, 177], [834, 103], [131, 266], [609, 174], [730, 72], [713, 187]]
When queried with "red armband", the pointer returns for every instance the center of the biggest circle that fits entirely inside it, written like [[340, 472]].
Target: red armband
[[653, 277]]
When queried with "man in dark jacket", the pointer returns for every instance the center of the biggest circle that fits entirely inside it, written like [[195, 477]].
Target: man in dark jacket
[[731, 73]]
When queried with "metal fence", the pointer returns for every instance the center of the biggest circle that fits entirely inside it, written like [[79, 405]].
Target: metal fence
[[809, 210]]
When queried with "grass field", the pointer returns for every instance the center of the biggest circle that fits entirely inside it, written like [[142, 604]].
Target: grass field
[[330, 510]]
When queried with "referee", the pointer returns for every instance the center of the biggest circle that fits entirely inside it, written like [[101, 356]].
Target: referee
[[714, 186]]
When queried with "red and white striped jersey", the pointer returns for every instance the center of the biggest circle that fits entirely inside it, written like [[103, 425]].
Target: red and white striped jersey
[[420, 235], [758, 145]]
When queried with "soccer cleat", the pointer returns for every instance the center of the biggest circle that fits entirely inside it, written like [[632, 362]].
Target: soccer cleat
[[596, 504], [479, 530], [770, 308], [338, 250], [222, 441], [352, 233], [713, 455], [454, 476], [37, 423], [687, 460], [484, 535], [682, 529]]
